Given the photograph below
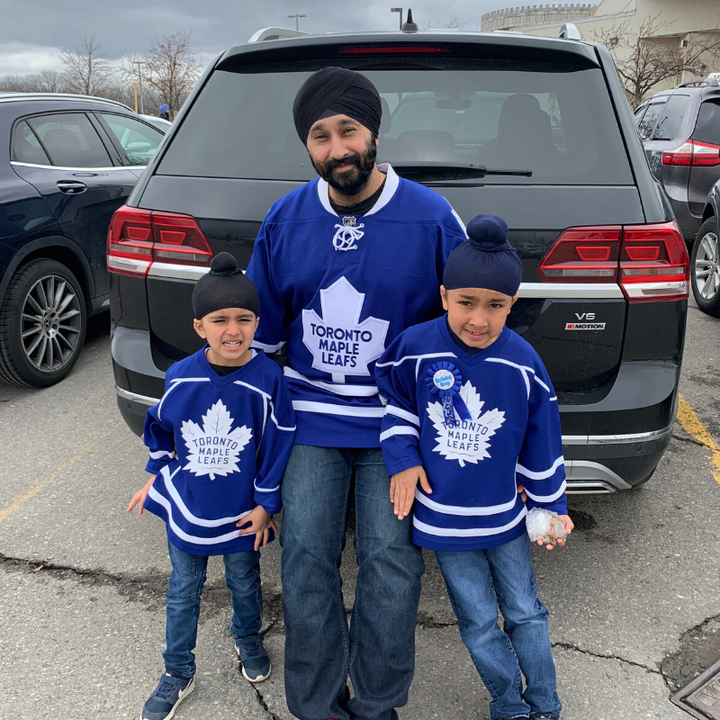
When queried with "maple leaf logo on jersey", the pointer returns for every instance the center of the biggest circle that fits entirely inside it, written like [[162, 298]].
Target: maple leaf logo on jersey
[[468, 441], [339, 343], [214, 448]]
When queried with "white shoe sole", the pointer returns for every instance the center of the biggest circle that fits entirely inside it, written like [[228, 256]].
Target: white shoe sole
[[258, 679], [183, 694]]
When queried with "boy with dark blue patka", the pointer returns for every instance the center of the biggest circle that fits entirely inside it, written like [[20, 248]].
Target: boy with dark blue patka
[[471, 415], [219, 441]]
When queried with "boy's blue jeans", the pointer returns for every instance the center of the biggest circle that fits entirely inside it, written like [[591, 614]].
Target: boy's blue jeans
[[379, 651], [242, 576], [479, 580]]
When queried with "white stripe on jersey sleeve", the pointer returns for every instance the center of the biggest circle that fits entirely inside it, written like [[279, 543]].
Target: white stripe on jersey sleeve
[[337, 388], [399, 430], [402, 414], [548, 498], [330, 409], [541, 474]]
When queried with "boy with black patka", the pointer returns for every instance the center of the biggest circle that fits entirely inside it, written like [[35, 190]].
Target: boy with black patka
[[219, 440], [471, 415]]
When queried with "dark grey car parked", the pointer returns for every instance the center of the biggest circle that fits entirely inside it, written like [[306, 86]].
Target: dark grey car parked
[[705, 260], [680, 130], [535, 130], [68, 162]]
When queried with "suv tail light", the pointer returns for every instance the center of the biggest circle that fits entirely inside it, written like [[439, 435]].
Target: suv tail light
[[137, 238], [693, 152], [649, 262]]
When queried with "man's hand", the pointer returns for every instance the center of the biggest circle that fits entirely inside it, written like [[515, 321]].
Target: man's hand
[[569, 526], [140, 496], [402, 489], [258, 521], [521, 492]]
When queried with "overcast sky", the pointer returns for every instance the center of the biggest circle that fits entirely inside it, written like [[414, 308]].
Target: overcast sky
[[33, 32]]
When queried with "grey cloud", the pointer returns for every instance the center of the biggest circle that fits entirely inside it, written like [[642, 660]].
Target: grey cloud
[[129, 26]]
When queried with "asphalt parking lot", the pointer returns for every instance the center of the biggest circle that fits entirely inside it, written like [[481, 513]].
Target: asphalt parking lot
[[634, 599]]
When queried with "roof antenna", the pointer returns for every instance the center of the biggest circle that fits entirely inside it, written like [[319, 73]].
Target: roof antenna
[[409, 26]]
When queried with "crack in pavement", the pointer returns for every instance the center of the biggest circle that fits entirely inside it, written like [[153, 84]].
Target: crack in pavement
[[601, 656], [263, 704], [691, 440]]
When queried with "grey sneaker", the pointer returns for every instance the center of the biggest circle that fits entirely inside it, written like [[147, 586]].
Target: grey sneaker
[[545, 716], [166, 697], [254, 658]]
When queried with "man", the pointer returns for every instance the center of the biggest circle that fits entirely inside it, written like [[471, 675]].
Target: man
[[342, 265]]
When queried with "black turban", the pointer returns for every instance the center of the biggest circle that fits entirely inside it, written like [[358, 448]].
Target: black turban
[[486, 260], [225, 286], [336, 91]]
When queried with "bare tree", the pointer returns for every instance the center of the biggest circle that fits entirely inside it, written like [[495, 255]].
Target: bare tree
[[87, 71], [646, 57], [47, 81], [169, 69]]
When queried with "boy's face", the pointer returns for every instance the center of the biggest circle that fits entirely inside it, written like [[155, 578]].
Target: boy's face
[[229, 332], [477, 316]]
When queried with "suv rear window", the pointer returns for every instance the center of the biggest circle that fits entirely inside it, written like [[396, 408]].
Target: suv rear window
[[671, 118], [558, 124], [707, 128]]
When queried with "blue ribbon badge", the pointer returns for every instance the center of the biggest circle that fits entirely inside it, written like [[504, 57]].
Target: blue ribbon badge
[[445, 380]]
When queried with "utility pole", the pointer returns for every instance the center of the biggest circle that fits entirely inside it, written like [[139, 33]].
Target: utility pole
[[138, 63], [398, 10], [297, 20]]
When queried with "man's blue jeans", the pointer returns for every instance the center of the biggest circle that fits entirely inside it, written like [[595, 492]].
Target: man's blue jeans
[[378, 653], [479, 580], [242, 576]]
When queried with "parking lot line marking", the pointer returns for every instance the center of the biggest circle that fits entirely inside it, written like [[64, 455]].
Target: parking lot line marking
[[42, 484], [693, 426]]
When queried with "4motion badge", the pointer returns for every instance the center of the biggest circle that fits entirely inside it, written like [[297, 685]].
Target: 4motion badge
[[585, 321]]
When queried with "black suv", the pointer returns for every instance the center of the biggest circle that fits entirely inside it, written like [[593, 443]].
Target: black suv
[[680, 130], [533, 129], [68, 163]]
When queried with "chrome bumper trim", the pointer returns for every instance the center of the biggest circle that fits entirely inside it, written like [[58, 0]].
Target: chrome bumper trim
[[142, 399], [616, 439], [584, 476], [572, 291], [176, 272]]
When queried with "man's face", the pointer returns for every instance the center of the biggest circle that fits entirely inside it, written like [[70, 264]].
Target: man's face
[[343, 153]]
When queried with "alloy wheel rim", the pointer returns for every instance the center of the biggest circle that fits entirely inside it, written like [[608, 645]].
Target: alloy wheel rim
[[707, 266], [50, 324]]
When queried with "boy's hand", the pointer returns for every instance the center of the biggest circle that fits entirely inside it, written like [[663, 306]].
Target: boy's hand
[[569, 526], [258, 521], [402, 489], [140, 496], [521, 492]]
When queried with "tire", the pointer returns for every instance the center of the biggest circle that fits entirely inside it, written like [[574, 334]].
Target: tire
[[705, 267], [43, 320]]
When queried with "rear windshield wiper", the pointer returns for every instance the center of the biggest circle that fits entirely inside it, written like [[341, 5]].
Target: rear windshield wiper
[[429, 171]]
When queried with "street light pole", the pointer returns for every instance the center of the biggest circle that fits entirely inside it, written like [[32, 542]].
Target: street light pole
[[398, 10], [297, 20], [142, 107]]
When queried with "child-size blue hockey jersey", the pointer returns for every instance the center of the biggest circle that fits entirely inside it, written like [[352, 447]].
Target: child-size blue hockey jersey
[[338, 289], [478, 424], [219, 446]]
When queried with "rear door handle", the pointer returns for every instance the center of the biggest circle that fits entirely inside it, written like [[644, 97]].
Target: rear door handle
[[71, 187]]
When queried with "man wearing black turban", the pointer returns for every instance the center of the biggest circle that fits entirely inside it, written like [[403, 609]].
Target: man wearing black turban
[[342, 265]]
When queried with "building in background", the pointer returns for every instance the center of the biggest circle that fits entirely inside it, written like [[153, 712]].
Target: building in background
[[680, 39]]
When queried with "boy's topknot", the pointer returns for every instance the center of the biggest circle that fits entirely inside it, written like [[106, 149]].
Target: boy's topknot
[[488, 233], [225, 286], [486, 260], [223, 264]]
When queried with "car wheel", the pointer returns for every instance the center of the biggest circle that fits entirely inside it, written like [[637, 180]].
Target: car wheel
[[705, 268], [43, 320]]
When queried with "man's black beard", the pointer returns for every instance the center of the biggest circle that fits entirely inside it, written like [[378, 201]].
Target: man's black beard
[[351, 182]]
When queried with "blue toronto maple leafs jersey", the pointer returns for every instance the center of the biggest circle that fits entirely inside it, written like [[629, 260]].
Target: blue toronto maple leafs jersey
[[338, 289], [478, 424], [219, 446]]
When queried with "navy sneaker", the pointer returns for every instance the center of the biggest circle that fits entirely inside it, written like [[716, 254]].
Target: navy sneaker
[[545, 716], [166, 697], [254, 658]]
